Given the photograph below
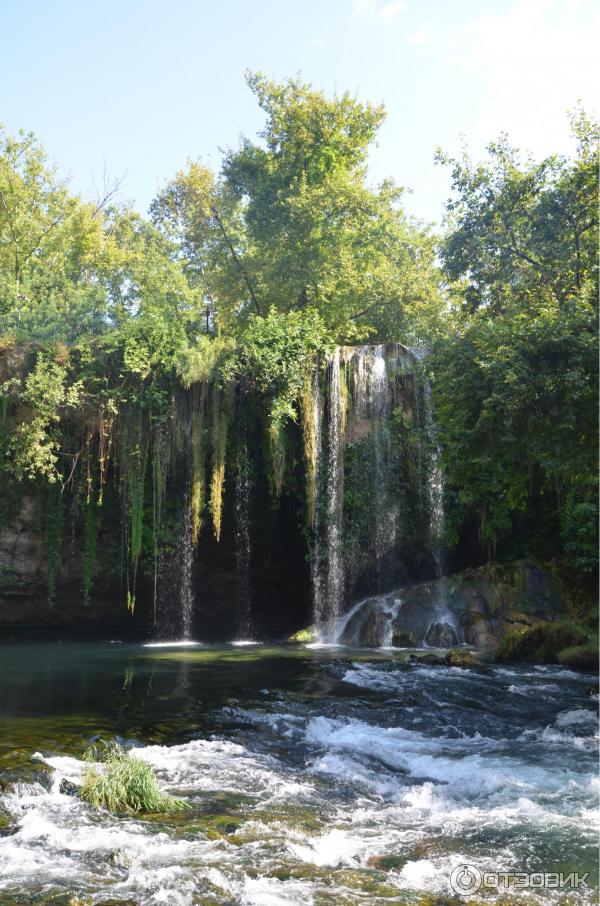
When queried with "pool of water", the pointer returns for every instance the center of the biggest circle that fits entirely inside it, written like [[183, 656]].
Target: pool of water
[[314, 776]]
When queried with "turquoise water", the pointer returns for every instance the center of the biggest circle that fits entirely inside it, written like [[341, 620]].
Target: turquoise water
[[324, 776]]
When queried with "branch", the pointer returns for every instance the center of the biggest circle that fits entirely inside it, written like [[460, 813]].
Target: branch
[[237, 260]]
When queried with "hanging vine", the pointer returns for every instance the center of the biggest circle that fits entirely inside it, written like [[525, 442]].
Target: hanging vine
[[90, 533], [52, 533], [198, 441], [221, 398]]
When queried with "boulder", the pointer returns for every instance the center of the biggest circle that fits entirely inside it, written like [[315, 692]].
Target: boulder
[[373, 630], [441, 635], [403, 638], [460, 657]]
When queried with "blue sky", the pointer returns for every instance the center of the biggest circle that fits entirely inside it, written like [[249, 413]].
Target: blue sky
[[143, 85]]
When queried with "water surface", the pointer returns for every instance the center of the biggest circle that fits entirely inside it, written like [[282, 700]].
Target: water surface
[[323, 776]]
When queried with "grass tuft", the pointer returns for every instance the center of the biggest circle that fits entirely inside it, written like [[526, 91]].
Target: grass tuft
[[125, 783]]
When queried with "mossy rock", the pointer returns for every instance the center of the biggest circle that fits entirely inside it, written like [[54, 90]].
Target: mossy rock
[[461, 657], [541, 644], [304, 636], [215, 827], [581, 657]]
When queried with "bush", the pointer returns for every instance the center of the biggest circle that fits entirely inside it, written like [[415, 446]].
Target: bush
[[542, 643], [126, 784]]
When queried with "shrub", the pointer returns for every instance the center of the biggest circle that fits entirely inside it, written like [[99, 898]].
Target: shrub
[[126, 784]]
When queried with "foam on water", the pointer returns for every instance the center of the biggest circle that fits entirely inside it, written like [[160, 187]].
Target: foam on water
[[322, 787]]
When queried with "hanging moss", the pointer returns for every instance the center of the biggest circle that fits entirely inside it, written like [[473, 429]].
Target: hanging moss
[[90, 532], [220, 421], [198, 464], [277, 450], [52, 531], [309, 403]]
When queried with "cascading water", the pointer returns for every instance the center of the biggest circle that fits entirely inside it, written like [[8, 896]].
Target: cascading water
[[186, 549], [435, 499], [174, 615], [369, 412], [242, 542], [328, 561], [374, 394]]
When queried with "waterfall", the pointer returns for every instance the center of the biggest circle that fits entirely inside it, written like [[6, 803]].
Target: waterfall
[[370, 410], [242, 541], [333, 593], [186, 559], [174, 615], [435, 485], [435, 500]]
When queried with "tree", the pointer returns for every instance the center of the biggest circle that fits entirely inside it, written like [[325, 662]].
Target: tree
[[291, 223], [518, 232], [516, 381]]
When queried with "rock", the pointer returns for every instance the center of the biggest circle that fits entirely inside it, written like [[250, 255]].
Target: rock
[[441, 635], [353, 628], [6, 826], [460, 657], [480, 632], [403, 638], [67, 788], [373, 630], [432, 660], [386, 863]]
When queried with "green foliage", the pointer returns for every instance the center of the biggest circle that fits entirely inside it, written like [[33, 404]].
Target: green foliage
[[276, 356], [292, 224], [35, 445], [119, 337], [125, 783], [515, 380]]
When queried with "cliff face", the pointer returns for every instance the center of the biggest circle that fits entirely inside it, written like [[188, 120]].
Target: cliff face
[[203, 523]]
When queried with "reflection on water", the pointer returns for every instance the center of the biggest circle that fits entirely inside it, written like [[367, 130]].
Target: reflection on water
[[314, 775]]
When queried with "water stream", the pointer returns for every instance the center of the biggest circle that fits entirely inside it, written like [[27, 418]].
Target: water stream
[[314, 776]]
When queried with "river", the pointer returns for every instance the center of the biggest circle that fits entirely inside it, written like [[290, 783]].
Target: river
[[314, 775]]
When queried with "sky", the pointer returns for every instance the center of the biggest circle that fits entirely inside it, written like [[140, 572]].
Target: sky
[[138, 87]]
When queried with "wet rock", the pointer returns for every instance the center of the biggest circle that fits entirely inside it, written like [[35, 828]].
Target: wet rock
[[67, 788], [403, 638], [432, 660], [353, 629], [480, 632], [441, 635], [386, 863], [6, 825], [26, 777], [373, 630]]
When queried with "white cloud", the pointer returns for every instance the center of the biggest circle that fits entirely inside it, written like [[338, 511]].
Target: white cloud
[[374, 9], [366, 8], [416, 38], [391, 11], [535, 60]]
